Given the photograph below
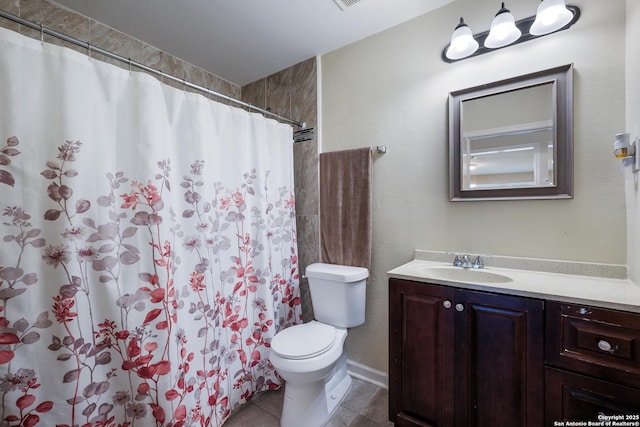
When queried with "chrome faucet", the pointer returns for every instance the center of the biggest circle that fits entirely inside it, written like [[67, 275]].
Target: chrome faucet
[[465, 262]]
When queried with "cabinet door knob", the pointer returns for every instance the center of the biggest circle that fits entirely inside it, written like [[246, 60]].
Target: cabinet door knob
[[459, 307], [447, 303], [604, 345]]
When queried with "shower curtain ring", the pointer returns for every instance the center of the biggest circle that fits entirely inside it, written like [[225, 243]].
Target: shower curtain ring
[[89, 50], [129, 64], [41, 33]]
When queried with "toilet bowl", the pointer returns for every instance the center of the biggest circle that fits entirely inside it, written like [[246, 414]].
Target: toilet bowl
[[316, 380], [310, 357]]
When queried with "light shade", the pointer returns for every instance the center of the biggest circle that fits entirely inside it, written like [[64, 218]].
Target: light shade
[[551, 16], [462, 42], [503, 30]]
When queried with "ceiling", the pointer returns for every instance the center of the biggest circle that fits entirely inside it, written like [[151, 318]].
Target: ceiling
[[244, 40]]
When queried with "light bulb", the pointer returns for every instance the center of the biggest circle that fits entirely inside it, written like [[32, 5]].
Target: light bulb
[[551, 16], [503, 30], [463, 43]]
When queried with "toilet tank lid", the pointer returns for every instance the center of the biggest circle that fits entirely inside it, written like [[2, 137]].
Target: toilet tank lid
[[342, 273]]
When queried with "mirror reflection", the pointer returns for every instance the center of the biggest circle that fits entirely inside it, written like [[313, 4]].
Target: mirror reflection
[[507, 147]]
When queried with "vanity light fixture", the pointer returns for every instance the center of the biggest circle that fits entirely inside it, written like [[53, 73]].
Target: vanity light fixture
[[503, 30], [551, 16]]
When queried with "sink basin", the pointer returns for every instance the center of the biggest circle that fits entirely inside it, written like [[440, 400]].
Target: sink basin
[[470, 275]]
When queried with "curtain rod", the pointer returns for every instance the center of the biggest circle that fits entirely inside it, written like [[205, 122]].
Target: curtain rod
[[90, 48]]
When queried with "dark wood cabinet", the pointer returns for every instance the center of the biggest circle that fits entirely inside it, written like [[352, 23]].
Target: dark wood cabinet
[[593, 358], [464, 358], [461, 358]]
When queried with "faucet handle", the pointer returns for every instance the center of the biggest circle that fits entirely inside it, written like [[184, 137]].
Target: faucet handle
[[477, 263], [456, 261]]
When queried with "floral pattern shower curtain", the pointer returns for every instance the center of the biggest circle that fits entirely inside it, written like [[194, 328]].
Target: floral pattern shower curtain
[[148, 250]]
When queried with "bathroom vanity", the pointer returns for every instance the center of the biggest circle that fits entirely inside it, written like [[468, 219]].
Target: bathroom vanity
[[512, 347]]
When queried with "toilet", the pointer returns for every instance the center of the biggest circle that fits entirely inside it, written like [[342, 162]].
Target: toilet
[[310, 357]]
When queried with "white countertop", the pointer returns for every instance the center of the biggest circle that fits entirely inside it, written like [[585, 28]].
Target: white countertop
[[620, 294]]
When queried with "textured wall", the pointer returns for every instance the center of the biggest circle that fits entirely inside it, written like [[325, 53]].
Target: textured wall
[[293, 93], [633, 127], [392, 89], [87, 30]]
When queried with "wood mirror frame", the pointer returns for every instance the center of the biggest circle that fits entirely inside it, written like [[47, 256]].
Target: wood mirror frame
[[561, 81]]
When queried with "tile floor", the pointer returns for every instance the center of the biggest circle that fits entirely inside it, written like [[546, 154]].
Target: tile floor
[[366, 405]]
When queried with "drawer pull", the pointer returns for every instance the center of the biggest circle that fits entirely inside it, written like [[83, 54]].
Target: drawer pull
[[459, 307], [604, 345], [447, 304]]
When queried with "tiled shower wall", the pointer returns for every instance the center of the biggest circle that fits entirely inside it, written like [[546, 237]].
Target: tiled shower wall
[[293, 93], [290, 93]]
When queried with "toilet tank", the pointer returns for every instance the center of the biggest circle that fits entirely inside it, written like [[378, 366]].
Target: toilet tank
[[338, 293]]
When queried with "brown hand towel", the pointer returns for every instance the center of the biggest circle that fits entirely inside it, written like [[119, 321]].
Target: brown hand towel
[[345, 207]]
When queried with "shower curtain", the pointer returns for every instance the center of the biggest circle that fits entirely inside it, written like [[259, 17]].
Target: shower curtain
[[148, 251]]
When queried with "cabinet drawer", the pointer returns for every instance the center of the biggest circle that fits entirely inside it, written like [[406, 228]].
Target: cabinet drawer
[[595, 341], [575, 397]]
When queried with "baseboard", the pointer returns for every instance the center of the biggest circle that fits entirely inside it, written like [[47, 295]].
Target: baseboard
[[370, 375]]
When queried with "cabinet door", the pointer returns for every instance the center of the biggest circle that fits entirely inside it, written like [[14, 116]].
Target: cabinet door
[[499, 360], [420, 354], [577, 397]]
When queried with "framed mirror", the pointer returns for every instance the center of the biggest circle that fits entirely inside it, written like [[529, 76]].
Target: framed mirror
[[513, 139]]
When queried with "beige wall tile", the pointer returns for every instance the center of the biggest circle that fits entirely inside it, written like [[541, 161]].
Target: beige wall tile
[[306, 174], [255, 93], [278, 92], [57, 19], [304, 92], [13, 7], [116, 42]]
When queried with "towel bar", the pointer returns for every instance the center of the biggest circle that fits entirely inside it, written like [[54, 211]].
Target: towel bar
[[380, 148]]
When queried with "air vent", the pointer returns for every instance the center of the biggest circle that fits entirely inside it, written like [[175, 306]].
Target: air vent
[[343, 4]]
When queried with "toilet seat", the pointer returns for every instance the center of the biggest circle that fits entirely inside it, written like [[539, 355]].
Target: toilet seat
[[303, 341]]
